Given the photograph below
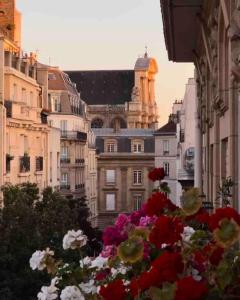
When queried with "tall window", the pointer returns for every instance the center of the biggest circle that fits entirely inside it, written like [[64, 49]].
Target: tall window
[[64, 152], [110, 202], [97, 123], [166, 168], [24, 95], [64, 179], [137, 198], [63, 126], [137, 177], [165, 147], [56, 104], [110, 176], [224, 158]]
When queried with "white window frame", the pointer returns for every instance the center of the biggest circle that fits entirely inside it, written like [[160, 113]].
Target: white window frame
[[165, 146], [110, 176], [64, 152], [138, 200], [64, 179], [137, 177], [166, 167], [110, 201], [111, 146]]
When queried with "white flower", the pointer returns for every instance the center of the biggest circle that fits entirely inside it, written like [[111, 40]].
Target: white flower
[[88, 287], [39, 258], [187, 233], [99, 262], [48, 292], [71, 293], [121, 270], [74, 239], [195, 275], [85, 262]]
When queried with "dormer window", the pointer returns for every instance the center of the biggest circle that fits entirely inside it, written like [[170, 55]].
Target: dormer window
[[111, 146], [137, 146]]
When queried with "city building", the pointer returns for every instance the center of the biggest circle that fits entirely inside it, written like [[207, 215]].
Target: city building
[[209, 37], [67, 112], [166, 152], [125, 158], [123, 113], [120, 98], [186, 136], [24, 132]]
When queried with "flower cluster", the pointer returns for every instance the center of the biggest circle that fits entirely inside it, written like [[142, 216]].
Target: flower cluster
[[160, 252]]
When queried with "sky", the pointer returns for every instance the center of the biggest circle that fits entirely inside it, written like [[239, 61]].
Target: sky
[[103, 35]]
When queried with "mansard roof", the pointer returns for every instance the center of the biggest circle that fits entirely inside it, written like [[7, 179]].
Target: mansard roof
[[168, 129], [104, 87]]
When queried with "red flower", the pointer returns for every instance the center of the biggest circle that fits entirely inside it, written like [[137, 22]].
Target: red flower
[[223, 213], [115, 290], [216, 256], [169, 265], [190, 289], [167, 230], [157, 203], [145, 281], [156, 174]]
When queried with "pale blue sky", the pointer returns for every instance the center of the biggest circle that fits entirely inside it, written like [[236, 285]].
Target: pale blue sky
[[102, 34]]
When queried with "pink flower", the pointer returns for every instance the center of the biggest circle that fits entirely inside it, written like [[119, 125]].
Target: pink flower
[[121, 221], [136, 216], [108, 251], [113, 236], [146, 221]]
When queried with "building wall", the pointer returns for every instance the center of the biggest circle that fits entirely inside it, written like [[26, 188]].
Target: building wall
[[123, 161], [162, 157], [54, 158]]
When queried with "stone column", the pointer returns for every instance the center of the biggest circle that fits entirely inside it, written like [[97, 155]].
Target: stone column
[[2, 116]]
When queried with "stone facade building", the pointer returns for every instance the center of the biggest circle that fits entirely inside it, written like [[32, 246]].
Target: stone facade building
[[67, 112], [123, 114], [186, 137], [210, 38], [124, 161], [24, 133]]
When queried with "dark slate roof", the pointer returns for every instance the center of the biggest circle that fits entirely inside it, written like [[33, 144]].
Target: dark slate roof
[[104, 87], [168, 129]]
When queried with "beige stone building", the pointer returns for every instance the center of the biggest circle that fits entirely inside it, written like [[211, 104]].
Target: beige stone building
[[25, 135], [78, 154], [209, 37], [123, 113]]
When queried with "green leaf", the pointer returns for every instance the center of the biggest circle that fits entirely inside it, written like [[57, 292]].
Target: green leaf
[[167, 292]]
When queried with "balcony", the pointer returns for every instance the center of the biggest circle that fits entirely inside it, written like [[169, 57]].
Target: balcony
[[182, 136], [39, 163], [24, 164], [79, 186], [8, 106], [74, 135], [8, 162], [79, 160], [65, 160], [64, 187]]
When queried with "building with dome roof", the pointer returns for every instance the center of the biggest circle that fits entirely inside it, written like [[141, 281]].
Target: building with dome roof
[[123, 114]]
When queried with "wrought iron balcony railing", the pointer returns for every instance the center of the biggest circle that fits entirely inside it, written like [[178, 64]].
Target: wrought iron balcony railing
[[74, 135], [79, 160], [64, 187], [65, 160]]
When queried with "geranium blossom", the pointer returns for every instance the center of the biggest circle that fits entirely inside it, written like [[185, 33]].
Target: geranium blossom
[[187, 233], [88, 287], [71, 293], [39, 259], [99, 262], [74, 239], [48, 293]]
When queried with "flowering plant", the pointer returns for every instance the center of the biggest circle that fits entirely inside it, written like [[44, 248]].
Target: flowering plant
[[161, 252]]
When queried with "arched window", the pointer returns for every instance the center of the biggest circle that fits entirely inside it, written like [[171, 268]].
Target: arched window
[[117, 123], [97, 123]]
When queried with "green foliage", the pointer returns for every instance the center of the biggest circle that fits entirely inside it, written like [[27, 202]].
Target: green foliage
[[29, 223]]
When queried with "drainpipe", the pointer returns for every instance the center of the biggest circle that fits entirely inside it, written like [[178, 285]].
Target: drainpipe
[[238, 149]]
